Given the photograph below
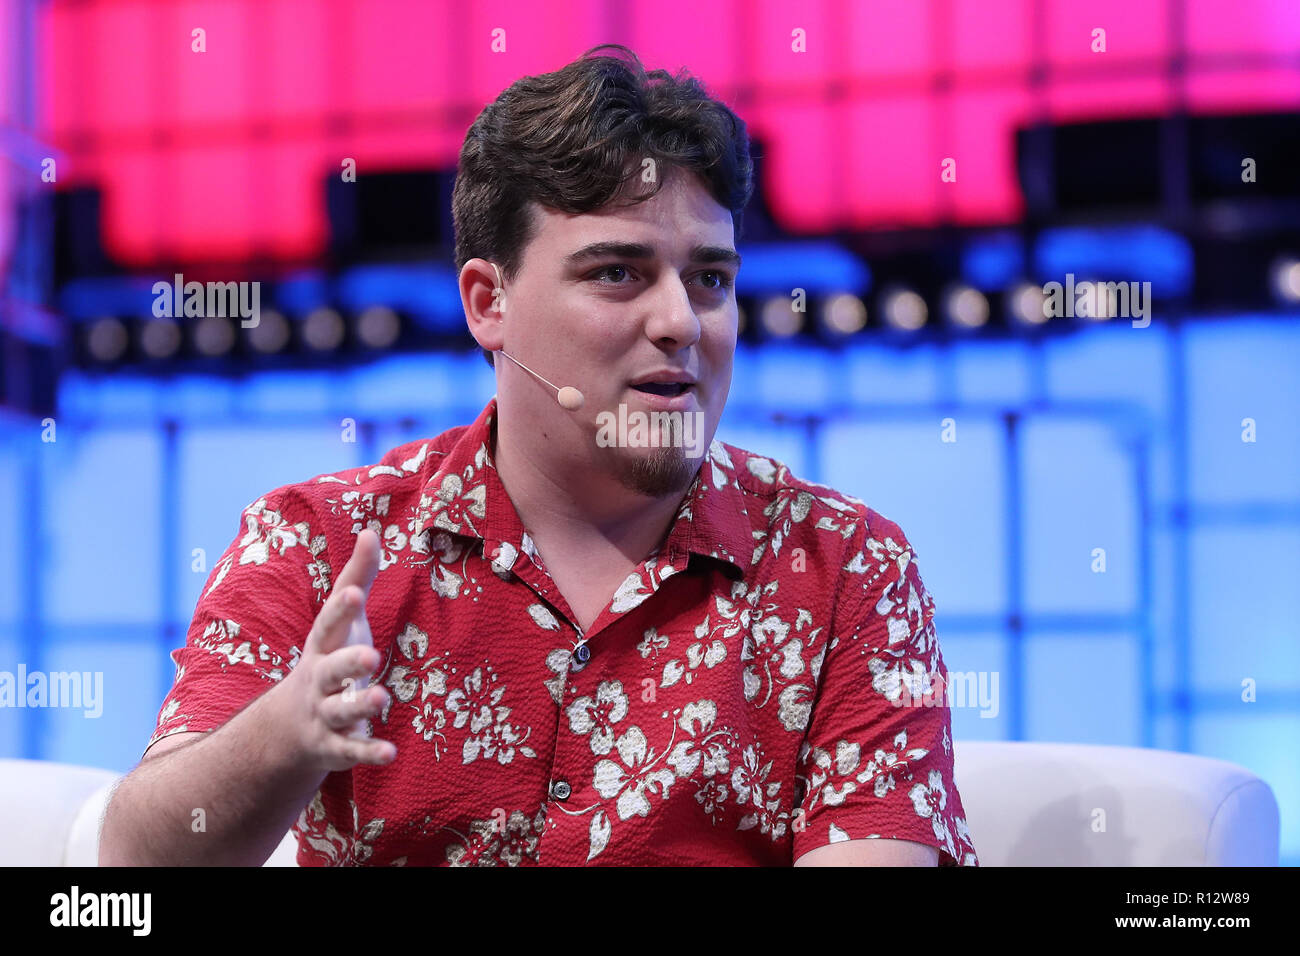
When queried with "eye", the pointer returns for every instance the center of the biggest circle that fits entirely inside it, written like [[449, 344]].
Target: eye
[[608, 269], [725, 280]]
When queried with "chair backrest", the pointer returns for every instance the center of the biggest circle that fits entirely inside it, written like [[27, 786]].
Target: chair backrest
[[1044, 804], [41, 812], [51, 815], [1027, 804]]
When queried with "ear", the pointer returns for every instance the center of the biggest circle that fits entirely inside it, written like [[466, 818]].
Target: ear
[[484, 302]]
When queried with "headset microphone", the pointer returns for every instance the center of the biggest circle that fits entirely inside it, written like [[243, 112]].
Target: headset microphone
[[568, 396]]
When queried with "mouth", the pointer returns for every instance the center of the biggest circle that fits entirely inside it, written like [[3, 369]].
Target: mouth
[[666, 389]]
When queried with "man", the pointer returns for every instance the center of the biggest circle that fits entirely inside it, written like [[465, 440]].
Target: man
[[594, 644]]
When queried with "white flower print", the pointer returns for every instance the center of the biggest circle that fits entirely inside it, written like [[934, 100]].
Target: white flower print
[[712, 798], [391, 540], [778, 658], [267, 531], [711, 748], [480, 849], [710, 655], [883, 765], [451, 506], [748, 779], [630, 593], [319, 569], [557, 662], [543, 617], [769, 818], [429, 721], [521, 837], [598, 717], [835, 776], [631, 781], [795, 707], [651, 642], [475, 702], [222, 638], [445, 552], [498, 740], [754, 791], [892, 678], [929, 800]]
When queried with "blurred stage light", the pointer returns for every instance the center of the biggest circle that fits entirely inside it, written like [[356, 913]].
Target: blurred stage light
[[966, 308], [1025, 303], [1285, 276], [1106, 302], [160, 338], [378, 327], [322, 330], [1157, 255], [107, 339], [214, 335], [844, 314], [742, 318], [904, 309], [271, 334], [992, 261], [779, 319]]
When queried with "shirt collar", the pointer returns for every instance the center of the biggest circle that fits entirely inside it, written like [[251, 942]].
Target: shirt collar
[[464, 496]]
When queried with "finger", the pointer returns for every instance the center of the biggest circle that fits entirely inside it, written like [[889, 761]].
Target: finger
[[353, 662], [364, 563], [330, 629], [349, 751], [341, 712]]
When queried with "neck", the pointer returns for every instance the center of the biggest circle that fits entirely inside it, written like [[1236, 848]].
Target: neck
[[571, 506]]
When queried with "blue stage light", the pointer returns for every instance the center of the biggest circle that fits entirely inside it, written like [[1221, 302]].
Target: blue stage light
[[1129, 253]]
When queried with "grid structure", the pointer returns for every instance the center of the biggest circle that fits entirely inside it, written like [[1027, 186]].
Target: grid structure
[[1128, 441], [221, 156]]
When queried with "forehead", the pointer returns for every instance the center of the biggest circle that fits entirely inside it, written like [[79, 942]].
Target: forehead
[[681, 215]]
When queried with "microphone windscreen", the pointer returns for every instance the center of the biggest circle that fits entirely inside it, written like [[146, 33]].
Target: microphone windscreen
[[570, 398]]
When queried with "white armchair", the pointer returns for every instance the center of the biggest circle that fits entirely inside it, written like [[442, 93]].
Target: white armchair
[[50, 815], [1037, 804], [1027, 804]]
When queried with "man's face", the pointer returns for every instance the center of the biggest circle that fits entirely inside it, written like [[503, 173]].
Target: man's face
[[622, 303]]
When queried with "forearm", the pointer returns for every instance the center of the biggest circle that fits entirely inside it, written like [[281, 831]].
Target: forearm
[[242, 777]]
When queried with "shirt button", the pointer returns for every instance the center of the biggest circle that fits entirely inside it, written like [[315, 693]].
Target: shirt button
[[561, 790], [583, 653]]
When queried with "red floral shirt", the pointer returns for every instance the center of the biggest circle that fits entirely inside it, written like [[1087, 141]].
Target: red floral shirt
[[736, 702]]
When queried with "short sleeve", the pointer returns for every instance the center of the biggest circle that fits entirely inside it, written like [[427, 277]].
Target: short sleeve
[[877, 758], [252, 617]]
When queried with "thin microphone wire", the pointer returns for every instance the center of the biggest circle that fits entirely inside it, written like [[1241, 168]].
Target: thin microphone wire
[[526, 368], [568, 397], [500, 293]]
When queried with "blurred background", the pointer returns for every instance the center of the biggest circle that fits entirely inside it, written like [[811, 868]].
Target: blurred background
[[1106, 507]]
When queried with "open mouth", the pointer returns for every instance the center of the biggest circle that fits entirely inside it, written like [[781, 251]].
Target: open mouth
[[663, 388]]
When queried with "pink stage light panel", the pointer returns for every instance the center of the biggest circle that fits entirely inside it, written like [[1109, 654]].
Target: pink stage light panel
[[223, 155]]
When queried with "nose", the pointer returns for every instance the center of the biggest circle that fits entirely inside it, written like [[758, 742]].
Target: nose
[[673, 323]]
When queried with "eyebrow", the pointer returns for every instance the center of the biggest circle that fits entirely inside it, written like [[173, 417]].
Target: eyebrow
[[640, 250]]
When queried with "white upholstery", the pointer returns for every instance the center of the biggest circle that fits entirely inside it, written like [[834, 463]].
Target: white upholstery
[[39, 805], [51, 814], [1036, 804], [1027, 804]]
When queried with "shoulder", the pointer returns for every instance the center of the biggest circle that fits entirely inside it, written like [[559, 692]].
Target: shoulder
[[401, 472], [778, 500]]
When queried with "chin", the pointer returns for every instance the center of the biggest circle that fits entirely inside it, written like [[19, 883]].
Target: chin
[[660, 471]]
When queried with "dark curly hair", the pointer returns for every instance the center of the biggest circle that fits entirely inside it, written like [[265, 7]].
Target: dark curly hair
[[571, 139]]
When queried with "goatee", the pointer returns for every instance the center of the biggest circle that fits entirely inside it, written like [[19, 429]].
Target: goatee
[[663, 472]]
